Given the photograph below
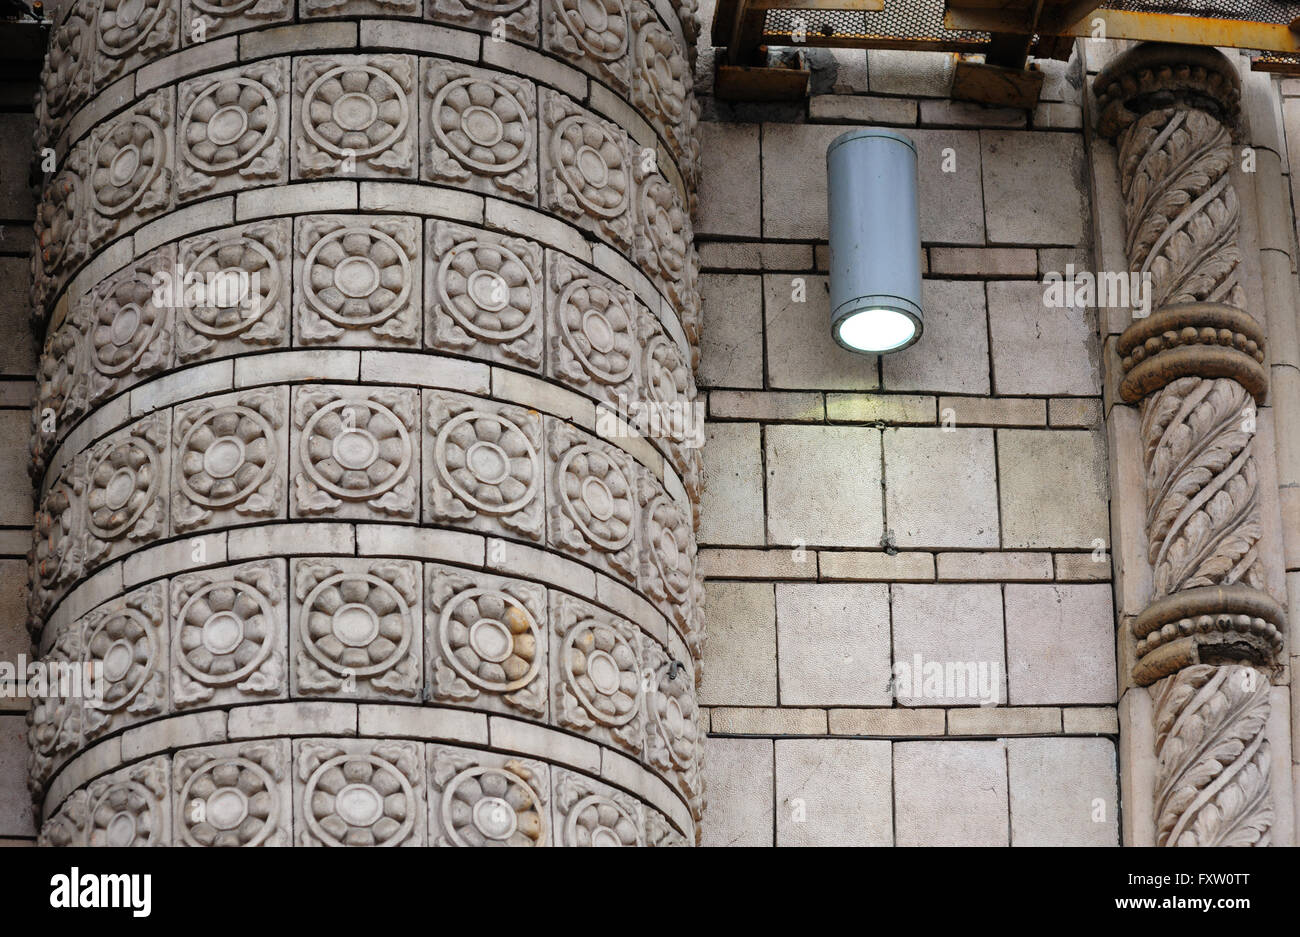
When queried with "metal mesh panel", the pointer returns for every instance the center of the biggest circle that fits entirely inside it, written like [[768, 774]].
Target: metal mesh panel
[[905, 20], [1258, 11]]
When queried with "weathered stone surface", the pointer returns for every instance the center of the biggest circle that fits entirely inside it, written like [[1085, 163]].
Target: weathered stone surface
[[833, 644], [833, 792], [1039, 349], [801, 354], [1063, 792], [812, 473], [731, 164], [731, 353], [950, 793], [951, 627], [739, 775], [1060, 644], [731, 508], [1033, 183], [1053, 488], [941, 487], [952, 355], [740, 657]]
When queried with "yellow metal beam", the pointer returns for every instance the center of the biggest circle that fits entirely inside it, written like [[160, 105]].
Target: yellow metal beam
[[853, 6]]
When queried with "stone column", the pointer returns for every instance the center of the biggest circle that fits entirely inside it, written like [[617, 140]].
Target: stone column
[[350, 313], [1209, 640]]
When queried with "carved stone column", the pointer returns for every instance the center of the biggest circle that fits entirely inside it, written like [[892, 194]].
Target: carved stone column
[[349, 307], [1208, 641]]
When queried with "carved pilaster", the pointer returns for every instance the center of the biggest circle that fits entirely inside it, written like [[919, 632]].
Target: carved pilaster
[[1210, 633]]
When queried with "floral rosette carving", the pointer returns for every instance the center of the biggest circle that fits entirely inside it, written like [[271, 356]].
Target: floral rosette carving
[[124, 492], [129, 174], [356, 111], [60, 392], [68, 826], [487, 805], [60, 230], [598, 687], [593, 340], [359, 794], [126, 643], [481, 129], [519, 16], [54, 721], [232, 797], [244, 292], [220, 16], [58, 549], [488, 638], [589, 169], [357, 276], [124, 28], [227, 459], [667, 549], [486, 467], [663, 234], [226, 634], [487, 294], [592, 814], [128, 808], [356, 454], [669, 388], [594, 508], [336, 7], [592, 33], [128, 333], [230, 127], [660, 75], [659, 832], [674, 742], [357, 628], [66, 76]]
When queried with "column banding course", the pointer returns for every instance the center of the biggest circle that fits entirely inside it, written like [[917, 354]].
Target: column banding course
[[344, 518], [1209, 641]]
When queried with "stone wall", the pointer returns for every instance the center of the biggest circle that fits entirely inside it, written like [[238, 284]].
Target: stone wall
[[950, 500], [361, 550]]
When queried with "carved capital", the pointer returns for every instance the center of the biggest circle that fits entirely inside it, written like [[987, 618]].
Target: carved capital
[[1158, 75]]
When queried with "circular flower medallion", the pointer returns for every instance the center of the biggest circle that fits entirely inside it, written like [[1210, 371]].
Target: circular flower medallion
[[241, 282], [224, 632], [126, 814], [124, 23], [53, 542], [676, 716], [57, 220], [599, 821], [487, 461], [126, 163], [488, 289], [596, 325], [598, 26], [355, 624], [126, 323], [596, 496], [662, 71], [667, 530], [228, 124], [123, 644], [600, 668], [230, 802], [665, 225], [359, 800], [356, 448], [592, 162], [492, 807], [123, 482], [219, 8], [491, 639], [355, 110], [483, 125], [357, 277], [226, 456]]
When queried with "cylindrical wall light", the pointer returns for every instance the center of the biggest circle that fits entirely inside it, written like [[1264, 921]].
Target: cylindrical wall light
[[875, 241]]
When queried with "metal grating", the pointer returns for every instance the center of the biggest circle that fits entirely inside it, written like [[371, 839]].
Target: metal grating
[[899, 21], [1256, 11]]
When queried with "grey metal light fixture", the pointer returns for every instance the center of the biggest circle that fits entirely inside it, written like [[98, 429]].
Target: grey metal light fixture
[[875, 231]]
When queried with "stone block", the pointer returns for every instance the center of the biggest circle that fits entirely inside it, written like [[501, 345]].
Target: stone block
[[956, 631], [813, 473], [383, 805], [740, 777], [1034, 187], [1038, 349], [833, 644], [950, 793], [1063, 792], [876, 566], [731, 347], [887, 722], [941, 487], [740, 655], [1053, 488], [731, 507], [1060, 644], [729, 206], [800, 351], [834, 792], [775, 720], [953, 353], [914, 74]]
